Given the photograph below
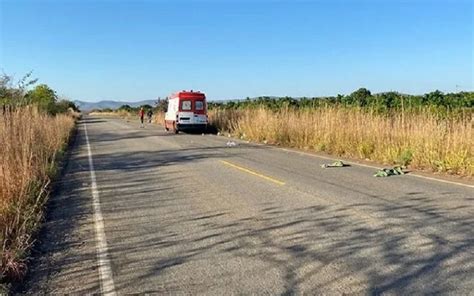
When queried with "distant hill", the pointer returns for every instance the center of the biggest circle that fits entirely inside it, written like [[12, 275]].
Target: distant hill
[[86, 106]]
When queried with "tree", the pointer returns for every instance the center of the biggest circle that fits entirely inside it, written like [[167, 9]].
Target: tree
[[388, 100], [361, 96], [63, 106], [435, 98], [44, 97], [125, 108], [146, 107], [12, 94], [162, 105]]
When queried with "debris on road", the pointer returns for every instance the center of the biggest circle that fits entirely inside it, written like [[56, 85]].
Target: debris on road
[[395, 171], [336, 164], [231, 144]]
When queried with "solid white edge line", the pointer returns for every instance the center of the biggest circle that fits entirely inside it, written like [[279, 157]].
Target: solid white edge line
[[106, 280], [357, 164], [440, 180], [374, 167]]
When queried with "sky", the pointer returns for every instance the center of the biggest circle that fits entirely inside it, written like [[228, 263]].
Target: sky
[[95, 50]]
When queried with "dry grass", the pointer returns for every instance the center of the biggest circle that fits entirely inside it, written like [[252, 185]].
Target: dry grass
[[421, 140], [30, 142], [159, 118], [117, 113], [120, 113]]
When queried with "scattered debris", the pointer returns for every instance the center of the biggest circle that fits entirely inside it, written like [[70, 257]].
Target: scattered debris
[[218, 133], [336, 164], [231, 144], [395, 171]]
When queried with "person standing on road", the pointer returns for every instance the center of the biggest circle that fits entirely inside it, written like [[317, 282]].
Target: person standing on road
[[141, 114], [149, 114]]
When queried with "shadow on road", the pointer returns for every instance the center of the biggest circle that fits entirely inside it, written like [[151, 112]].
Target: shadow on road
[[405, 246], [65, 246], [320, 247], [408, 245]]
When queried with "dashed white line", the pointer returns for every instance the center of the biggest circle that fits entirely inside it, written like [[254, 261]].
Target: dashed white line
[[106, 280]]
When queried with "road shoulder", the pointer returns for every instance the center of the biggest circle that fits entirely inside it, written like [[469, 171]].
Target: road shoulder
[[64, 257]]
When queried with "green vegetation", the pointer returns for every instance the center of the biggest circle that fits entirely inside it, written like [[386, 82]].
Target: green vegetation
[[431, 132], [41, 96], [159, 106], [132, 110], [362, 98]]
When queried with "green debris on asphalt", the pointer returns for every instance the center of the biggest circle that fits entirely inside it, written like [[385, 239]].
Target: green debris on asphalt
[[336, 164], [395, 171]]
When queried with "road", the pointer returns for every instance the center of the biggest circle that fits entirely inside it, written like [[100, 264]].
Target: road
[[185, 214]]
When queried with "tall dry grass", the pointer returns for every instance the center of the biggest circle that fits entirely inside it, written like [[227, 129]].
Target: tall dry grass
[[159, 117], [30, 142], [117, 113], [422, 140]]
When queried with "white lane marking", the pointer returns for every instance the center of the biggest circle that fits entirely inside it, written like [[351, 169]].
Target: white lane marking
[[329, 158], [440, 180], [358, 164], [374, 167], [107, 286]]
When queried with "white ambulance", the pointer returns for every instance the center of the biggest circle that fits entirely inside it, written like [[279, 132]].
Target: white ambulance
[[187, 110]]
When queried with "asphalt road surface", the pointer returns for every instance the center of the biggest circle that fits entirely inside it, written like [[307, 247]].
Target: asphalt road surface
[[185, 214]]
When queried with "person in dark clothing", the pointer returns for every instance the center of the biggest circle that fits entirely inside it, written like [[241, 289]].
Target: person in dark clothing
[[149, 114]]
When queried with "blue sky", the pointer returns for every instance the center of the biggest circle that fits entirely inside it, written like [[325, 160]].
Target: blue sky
[[133, 50]]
